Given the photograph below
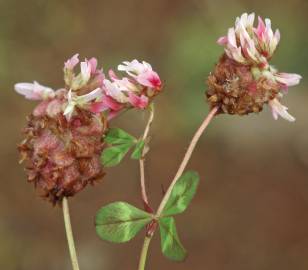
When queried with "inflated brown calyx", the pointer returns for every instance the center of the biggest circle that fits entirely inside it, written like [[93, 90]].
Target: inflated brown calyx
[[233, 88], [62, 157]]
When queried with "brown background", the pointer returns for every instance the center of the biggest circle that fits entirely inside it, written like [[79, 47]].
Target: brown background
[[251, 209]]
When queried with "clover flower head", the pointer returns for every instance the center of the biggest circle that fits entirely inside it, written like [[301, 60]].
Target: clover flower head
[[64, 133], [63, 137], [243, 80]]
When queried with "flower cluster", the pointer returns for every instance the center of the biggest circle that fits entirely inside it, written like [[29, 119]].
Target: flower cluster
[[136, 90], [64, 133], [243, 80]]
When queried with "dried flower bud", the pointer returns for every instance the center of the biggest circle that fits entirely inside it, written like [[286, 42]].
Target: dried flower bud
[[62, 156], [243, 81]]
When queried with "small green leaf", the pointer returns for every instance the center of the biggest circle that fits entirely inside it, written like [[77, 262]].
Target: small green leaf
[[119, 136], [182, 194], [119, 222], [137, 153], [170, 242], [112, 156]]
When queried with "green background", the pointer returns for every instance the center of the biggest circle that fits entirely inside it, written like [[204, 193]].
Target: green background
[[251, 208]]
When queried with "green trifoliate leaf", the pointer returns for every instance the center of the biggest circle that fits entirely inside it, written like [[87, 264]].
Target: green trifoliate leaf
[[119, 136], [170, 242], [119, 222], [137, 153], [112, 156], [182, 194]]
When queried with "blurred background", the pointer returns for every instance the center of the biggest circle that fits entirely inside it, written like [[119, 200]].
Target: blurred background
[[251, 209]]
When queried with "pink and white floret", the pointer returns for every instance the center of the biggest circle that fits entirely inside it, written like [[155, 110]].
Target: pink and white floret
[[90, 90], [136, 90]]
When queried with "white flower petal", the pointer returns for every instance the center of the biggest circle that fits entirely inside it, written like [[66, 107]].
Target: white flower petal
[[281, 110], [95, 94], [289, 79], [34, 91]]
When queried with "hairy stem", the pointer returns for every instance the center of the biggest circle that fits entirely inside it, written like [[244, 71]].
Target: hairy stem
[[69, 234], [186, 158], [144, 252], [142, 160]]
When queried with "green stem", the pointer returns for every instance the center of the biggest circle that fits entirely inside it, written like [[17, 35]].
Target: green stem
[[69, 234], [144, 252], [142, 160], [186, 158], [180, 171]]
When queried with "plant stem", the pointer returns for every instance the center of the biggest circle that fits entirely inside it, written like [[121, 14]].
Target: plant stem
[[186, 158], [69, 234], [142, 160], [180, 171], [144, 252]]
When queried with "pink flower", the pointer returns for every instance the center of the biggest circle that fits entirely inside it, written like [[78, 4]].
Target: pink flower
[[105, 103], [249, 45], [93, 64], [149, 79], [142, 73], [116, 90], [72, 62], [267, 40], [138, 102], [279, 110], [34, 91]]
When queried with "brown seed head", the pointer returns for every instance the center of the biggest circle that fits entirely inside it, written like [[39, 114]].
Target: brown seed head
[[62, 157], [234, 89]]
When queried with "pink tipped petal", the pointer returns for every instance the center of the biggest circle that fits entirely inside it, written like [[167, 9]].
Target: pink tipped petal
[[115, 90], [98, 107], [279, 110], [85, 68], [138, 102], [40, 109], [107, 103], [223, 40], [232, 38], [260, 28], [149, 79], [34, 91], [111, 103], [27, 90], [99, 78], [72, 62], [112, 75], [289, 79], [93, 64], [277, 35]]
